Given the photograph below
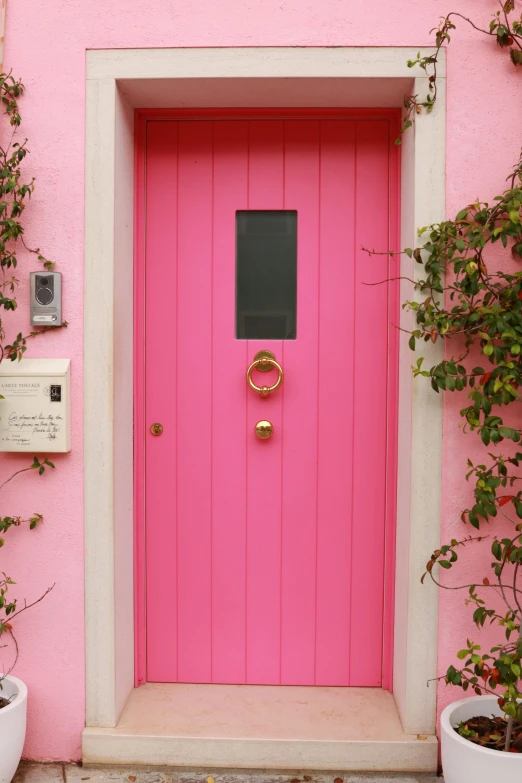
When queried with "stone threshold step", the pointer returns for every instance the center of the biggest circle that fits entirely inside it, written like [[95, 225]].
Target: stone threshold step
[[261, 727]]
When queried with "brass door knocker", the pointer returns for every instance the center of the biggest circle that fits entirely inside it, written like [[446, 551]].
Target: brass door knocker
[[264, 361]]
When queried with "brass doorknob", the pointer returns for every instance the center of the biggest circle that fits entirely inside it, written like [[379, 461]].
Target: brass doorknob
[[264, 429], [156, 428]]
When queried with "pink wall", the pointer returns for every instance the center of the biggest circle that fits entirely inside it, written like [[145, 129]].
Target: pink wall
[[45, 44]]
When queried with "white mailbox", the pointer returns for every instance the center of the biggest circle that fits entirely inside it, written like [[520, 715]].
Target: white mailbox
[[35, 414]]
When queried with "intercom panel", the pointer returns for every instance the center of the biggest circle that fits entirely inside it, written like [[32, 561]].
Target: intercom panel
[[46, 298]]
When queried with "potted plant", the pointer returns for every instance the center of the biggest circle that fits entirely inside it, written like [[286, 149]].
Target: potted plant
[[479, 310], [13, 197], [464, 299]]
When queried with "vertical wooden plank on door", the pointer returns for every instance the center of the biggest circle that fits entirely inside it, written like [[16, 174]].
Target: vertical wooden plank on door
[[299, 468], [263, 632], [195, 382], [229, 435], [160, 399], [335, 402], [370, 362]]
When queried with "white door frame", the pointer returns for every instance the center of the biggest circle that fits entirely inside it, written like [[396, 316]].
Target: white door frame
[[118, 81]]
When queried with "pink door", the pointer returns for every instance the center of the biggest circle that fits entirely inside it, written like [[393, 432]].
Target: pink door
[[266, 559]]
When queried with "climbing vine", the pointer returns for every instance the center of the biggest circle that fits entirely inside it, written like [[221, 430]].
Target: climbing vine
[[465, 300], [15, 193], [504, 27]]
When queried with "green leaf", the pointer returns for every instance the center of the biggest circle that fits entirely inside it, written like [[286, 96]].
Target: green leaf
[[450, 674], [462, 214]]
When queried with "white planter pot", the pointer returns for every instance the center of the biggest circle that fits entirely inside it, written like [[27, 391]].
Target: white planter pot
[[465, 762], [12, 727]]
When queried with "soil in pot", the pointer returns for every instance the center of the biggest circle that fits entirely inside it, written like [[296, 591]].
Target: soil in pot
[[491, 732], [4, 702]]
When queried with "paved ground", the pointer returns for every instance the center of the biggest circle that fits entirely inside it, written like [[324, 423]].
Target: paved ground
[[72, 773]]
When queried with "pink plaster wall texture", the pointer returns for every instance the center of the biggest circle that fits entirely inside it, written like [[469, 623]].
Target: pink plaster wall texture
[[46, 45]]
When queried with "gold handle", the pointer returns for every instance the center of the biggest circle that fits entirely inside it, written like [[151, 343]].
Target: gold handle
[[264, 361], [156, 428]]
